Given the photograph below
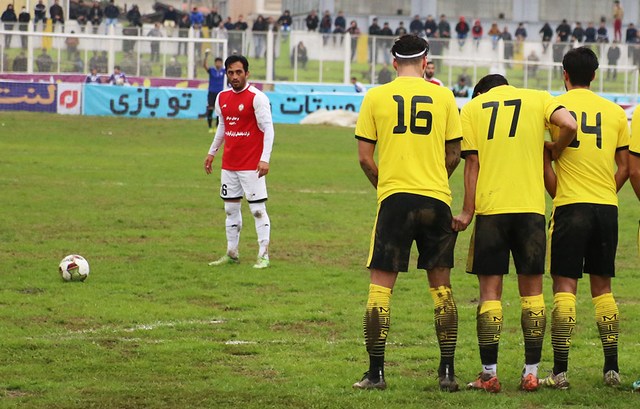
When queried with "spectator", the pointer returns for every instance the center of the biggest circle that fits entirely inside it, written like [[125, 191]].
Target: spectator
[[312, 21], [81, 16], [8, 18], [355, 34], [325, 27], [384, 75], [476, 32], [174, 69], [521, 32], [56, 13], [430, 27], [558, 53], [495, 34], [601, 34], [386, 42], [20, 63], [578, 32], [229, 25], [183, 32], [299, 53], [374, 32], [78, 64], [241, 25], [170, 20], [462, 31], [44, 61], [358, 87], [102, 62], [197, 19], [40, 13], [156, 31], [564, 31], [259, 29], [23, 25], [93, 77], [532, 68], [508, 45], [401, 30], [461, 88], [590, 33], [111, 13], [72, 45], [547, 33], [444, 28], [213, 19], [285, 21], [118, 77], [339, 27], [95, 16], [613, 55], [618, 15], [416, 26], [430, 72], [134, 17], [631, 34]]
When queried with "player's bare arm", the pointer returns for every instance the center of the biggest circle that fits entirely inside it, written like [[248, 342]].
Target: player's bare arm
[[622, 173], [634, 173], [471, 170], [367, 163], [452, 156], [568, 128], [550, 180], [204, 60]]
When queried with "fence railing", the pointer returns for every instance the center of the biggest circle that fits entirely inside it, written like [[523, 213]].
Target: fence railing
[[299, 56]]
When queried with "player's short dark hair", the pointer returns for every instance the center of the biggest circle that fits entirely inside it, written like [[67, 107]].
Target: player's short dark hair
[[487, 82], [237, 58], [218, 59], [580, 64], [408, 45]]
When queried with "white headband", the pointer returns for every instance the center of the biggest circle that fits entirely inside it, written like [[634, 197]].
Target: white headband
[[421, 53]]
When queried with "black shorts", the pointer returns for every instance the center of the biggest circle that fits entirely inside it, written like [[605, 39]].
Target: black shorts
[[583, 238], [494, 236], [403, 218], [211, 99]]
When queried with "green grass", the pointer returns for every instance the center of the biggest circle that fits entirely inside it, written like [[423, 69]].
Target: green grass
[[155, 327]]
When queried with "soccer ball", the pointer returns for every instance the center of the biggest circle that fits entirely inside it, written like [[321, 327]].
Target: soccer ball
[[119, 81], [74, 268]]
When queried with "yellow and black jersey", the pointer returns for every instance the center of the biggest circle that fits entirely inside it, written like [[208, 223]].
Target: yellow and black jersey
[[410, 120], [586, 168], [634, 144], [506, 127]]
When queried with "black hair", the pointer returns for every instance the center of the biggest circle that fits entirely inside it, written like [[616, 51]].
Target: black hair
[[487, 82], [409, 44], [218, 59], [235, 58], [580, 64]]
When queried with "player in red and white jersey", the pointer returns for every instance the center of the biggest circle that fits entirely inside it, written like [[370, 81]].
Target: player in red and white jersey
[[429, 73], [246, 130]]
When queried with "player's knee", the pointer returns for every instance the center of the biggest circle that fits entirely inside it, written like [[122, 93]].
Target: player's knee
[[258, 210]]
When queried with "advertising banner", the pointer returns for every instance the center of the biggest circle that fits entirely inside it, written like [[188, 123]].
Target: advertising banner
[[69, 98], [137, 102], [19, 96], [292, 108]]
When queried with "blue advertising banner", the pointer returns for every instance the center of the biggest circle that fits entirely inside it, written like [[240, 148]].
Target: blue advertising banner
[[292, 108], [138, 102], [293, 88], [27, 96]]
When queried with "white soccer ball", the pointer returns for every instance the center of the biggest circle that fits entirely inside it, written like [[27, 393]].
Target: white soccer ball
[[74, 268], [119, 81]]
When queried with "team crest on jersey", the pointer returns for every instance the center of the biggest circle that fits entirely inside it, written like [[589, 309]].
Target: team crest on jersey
[[240, 107]]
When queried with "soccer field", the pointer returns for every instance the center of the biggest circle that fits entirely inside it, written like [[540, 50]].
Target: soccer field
[[155, 327]]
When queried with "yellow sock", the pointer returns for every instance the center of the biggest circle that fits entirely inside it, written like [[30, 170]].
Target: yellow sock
[[445, 317], [376, 326], [533, 320], [563, 322], [489, 326], [608, 321]]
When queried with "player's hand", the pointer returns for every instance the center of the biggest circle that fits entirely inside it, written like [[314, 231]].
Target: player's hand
[[207, 51], [263, 168], [553, 148], [207, 164], [461, 221]]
